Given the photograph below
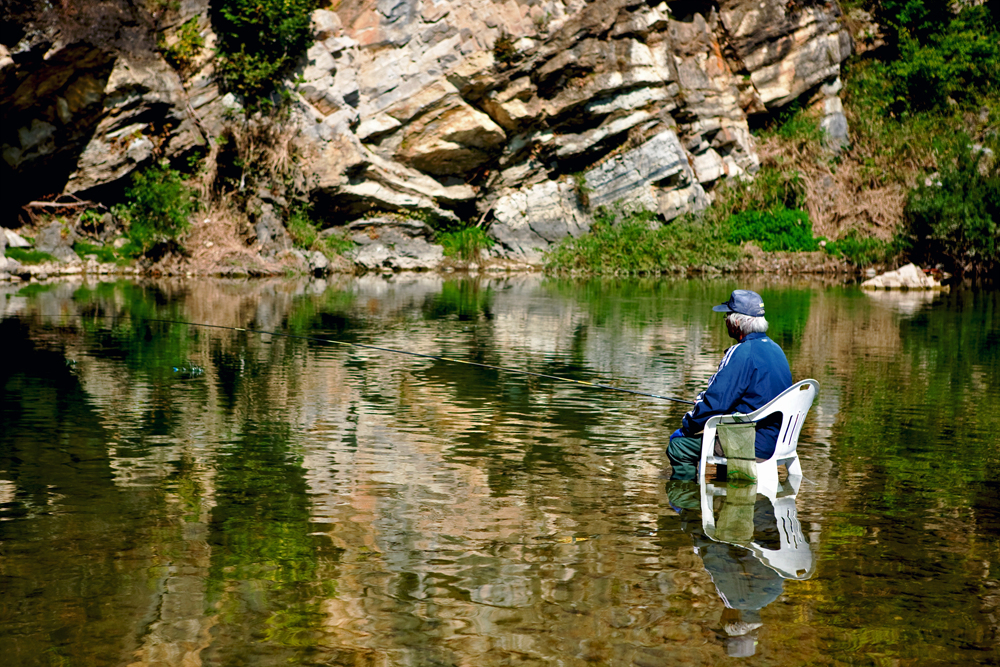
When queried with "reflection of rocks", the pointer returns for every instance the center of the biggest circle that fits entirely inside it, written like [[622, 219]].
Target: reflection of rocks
[[906, 302]]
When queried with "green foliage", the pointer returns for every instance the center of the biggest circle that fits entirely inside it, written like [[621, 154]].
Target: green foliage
[[865, 250], [959, 216], [190, 42], [105, 254], [465, 244], [305, 234], [259, 41], [90, 217], [794, 124], [940, 57], [770, 189], [157, 207], [630, 244], [301, 227], [337, 243], [25, 256], [777, 229], [920, 18]]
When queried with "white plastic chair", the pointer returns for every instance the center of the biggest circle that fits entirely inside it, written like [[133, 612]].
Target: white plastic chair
[[794, 558], [793, 404]]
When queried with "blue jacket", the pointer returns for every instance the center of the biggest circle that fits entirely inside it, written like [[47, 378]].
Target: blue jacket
[[750, 375]]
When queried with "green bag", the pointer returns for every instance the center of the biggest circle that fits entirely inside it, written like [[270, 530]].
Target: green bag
[[737, 442], [735, 524]]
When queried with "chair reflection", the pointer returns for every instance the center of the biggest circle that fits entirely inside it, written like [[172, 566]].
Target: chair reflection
[[793, 559], [750, 543]]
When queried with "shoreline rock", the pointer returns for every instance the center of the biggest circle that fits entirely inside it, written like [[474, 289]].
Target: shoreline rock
[[908, 277]]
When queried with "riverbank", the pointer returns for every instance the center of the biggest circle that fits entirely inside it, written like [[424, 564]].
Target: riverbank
[[514, 146]]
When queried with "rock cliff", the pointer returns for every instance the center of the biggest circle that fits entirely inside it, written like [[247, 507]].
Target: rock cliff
[[525, 115]]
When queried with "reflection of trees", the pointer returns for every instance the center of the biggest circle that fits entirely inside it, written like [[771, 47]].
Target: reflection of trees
[[74, 576], [918, 384], [349, 506]]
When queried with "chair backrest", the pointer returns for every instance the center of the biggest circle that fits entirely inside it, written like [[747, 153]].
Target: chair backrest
[[793, 404]]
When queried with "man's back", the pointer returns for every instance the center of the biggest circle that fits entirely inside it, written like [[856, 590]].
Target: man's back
[[751, 374]]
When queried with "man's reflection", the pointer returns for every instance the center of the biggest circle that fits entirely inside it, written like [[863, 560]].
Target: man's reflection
[[742, 551]]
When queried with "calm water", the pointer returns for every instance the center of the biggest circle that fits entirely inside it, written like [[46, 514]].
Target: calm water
[[294, 503]]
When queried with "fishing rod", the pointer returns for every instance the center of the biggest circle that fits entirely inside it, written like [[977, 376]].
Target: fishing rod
[[331, 341]]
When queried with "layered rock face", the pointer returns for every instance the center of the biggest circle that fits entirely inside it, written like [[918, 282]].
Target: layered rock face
[[525, 115]]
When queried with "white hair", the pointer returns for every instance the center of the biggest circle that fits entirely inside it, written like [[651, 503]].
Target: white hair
[[748, 324]]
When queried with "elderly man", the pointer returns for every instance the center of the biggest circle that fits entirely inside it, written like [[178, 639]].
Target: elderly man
[[750, 375]]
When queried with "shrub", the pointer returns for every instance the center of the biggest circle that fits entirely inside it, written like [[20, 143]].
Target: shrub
[[958, 216], [777, 229], [939, 56], [634, 246], [466, 244], [157, 207], [259, 41], [301, 227], [182, 53], [865, 250]]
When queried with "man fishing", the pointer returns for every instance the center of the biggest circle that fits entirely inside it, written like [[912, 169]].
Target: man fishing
[[750, 375]]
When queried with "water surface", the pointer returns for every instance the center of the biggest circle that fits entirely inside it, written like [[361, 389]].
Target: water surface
[[278, 501]]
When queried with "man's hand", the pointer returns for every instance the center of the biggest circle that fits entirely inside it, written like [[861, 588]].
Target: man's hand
[[676, 434]]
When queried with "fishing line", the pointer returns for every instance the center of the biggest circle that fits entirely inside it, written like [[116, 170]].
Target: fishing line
[[329, 341]]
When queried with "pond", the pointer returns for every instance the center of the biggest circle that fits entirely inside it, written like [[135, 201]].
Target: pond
[[178, 495]]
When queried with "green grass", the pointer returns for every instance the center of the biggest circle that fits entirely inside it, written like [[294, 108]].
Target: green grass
[[337, 243], [465, 244], [301, 228], [634, 245], [864, 251], [306, 234], [105, 254], [29, 256]]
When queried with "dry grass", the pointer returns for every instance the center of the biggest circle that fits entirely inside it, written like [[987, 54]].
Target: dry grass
[[269, 148], [841, 196], [217, 245]]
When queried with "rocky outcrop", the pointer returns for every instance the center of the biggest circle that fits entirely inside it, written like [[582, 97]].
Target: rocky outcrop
[[81, 115], [523, 115], [383, 243]]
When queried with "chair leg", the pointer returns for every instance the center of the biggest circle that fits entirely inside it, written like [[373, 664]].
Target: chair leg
[[794, 467], [767, 478]]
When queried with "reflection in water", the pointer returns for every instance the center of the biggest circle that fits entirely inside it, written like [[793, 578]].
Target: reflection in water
[[750, 543], [297, 503]]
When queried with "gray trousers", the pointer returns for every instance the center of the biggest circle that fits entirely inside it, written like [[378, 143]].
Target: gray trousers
[[685, 453]]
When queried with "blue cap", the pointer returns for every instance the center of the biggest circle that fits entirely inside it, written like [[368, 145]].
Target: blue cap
[[742, 301]]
